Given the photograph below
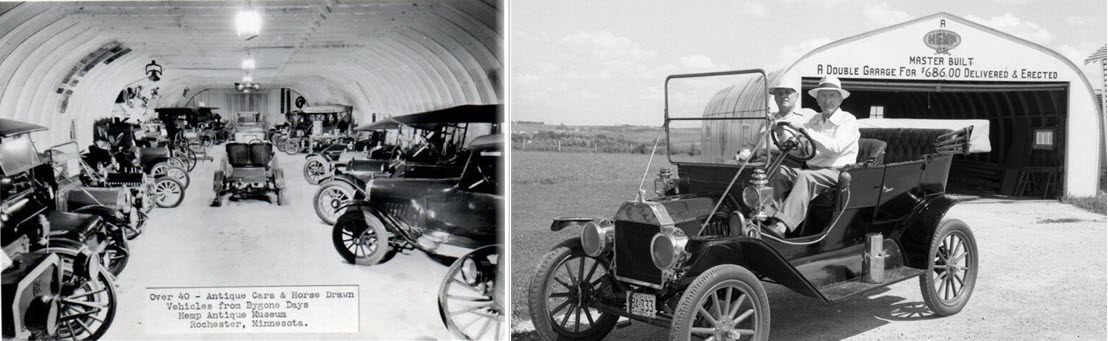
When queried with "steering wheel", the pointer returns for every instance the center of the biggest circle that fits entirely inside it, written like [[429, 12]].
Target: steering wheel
[[796, 140]]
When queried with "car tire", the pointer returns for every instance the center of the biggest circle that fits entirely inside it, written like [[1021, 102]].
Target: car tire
[[349, 227], [945, 299], [315, 170], [174, 172], [79, 295], [539, 292], [703, 296], [168, 193], [322, 204], [486, 306]]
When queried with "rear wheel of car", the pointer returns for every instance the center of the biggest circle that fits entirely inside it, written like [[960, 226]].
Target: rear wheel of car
[[168, 192], [468, 304], [565, 285], [952, 274], [329, 197], [315, 170], [173, 172], [292, 146], [360, 239], [727, 302]]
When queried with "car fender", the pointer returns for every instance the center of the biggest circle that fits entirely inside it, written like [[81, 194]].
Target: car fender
[[111, 215], [915, 232], [750, 253], [349, 180], [148, 165], [368, 208], [561, 223]]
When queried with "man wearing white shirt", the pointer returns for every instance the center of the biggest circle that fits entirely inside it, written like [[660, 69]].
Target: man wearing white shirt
[[834, 133], [786, 93]]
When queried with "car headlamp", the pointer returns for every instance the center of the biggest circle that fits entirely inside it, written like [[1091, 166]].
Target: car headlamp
[[597, 237], [757, 196], [668, 250]]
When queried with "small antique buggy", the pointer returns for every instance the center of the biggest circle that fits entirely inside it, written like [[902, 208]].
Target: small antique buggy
[[882, 224], [248, 170]]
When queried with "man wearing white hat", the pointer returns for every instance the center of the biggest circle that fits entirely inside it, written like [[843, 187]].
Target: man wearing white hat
[[834, 133], [786, 93]]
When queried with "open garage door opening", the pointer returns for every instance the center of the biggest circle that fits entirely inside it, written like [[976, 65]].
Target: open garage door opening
[[1027, 124]]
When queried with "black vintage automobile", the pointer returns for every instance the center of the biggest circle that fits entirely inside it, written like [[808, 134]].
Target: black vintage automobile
[[249, 170], [54, 283], [883, 224], [315, 127], [75, 194], [442, 217], [433, 150]]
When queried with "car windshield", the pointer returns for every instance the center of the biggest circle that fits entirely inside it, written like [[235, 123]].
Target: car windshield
[[17, 154], [712, 117], [66, 158]]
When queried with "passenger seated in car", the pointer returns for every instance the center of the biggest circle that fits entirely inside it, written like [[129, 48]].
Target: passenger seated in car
[[835, 134], [786, 93], [99, 155]]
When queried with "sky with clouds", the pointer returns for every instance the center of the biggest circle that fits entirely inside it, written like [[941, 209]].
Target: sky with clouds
[[584, 62]]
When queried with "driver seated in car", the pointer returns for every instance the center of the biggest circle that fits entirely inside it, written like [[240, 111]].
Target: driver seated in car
[[834, 134]]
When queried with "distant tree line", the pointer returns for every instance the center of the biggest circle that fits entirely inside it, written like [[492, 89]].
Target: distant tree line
[[599, 143]]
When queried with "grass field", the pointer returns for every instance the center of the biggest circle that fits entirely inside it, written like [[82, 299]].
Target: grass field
[[546, 185]]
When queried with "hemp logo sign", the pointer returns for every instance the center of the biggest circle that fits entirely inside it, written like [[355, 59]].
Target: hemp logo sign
[[942, 41]]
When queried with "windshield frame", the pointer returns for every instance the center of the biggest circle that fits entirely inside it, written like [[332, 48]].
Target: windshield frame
[[764, 147]]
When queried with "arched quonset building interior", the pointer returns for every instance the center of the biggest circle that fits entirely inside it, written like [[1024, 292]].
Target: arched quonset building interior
[[63, 65], [1042, 112]]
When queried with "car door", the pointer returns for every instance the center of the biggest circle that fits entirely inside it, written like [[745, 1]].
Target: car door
[[899, 193]]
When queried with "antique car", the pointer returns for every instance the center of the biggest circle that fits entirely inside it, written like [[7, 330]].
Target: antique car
[[444, 218], [75, 195], [883, 223], [147, 158], [55, 285], [433, 151], [249, 170], [248, 127], [312, 128]]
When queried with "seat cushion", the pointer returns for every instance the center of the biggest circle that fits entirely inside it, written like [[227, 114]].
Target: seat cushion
[[238, 154], [260, 154], [871, 151], [74, 226], [904, 144]]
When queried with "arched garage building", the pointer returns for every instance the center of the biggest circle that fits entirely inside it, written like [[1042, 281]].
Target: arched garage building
[[1044, 122], [64, 64]]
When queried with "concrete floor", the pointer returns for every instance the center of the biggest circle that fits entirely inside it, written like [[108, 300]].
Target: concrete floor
[[255, 243]]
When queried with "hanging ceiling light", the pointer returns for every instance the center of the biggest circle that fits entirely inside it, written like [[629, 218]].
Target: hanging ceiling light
[[248, 23], [248, 63]]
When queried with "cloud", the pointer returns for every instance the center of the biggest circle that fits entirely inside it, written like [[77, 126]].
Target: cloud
[[790, 53], [755, 9], [880, 14], [699, 62], [1077, 54], [1015, 26], [1076, 20]]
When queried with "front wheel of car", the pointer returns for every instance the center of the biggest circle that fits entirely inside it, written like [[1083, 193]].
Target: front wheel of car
[[952, 272], [168, 192], [174, 172], [727, 302], [315, 170], [328, 199], [566, 286], [360, 239]]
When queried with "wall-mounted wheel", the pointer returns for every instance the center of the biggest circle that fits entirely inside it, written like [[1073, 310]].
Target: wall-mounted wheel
[[168, 192], [316, 169], [727, 302], [952, 273], [360, 239], [328, 199], [468, 304], [173, 172], [565, 285]]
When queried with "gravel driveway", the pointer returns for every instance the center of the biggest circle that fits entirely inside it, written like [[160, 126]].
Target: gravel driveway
[[1042, 277]]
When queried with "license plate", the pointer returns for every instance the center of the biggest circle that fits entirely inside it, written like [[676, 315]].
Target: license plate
[[641, 304]]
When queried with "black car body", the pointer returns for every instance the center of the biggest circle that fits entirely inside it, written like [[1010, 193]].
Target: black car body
[[882, 225], [437, 152]]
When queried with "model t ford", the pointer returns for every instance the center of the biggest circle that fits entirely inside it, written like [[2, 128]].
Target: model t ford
[[693, 258]]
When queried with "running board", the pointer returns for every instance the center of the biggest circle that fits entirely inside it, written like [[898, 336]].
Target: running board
[[855, 286]]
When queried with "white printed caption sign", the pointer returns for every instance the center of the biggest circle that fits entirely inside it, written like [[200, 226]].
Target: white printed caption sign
[[263, 309]]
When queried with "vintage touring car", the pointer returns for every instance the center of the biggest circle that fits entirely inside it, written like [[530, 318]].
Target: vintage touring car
[[693, 258]]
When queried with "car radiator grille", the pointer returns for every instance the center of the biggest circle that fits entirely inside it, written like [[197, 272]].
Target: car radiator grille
[[632, 249]]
